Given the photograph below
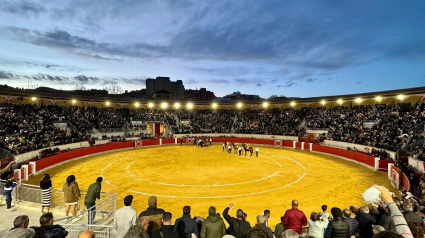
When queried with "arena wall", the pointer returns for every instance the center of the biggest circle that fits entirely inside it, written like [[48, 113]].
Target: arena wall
[[361, 158]]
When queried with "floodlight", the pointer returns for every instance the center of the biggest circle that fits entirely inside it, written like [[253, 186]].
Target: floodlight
[[378, 99], [107, 103], [164, 105], [214, 105], [265, 104], [323, 102], [137, 104], [239, 105], [150, 105], [358, 100], [339, 101], [33, 98], [400, 97], [176, 105], [292, 104], [74, 101], [190, 105]]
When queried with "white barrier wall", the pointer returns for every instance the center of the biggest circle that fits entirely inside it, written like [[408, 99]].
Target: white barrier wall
[[269, 137], [364, 148], [418, 164]]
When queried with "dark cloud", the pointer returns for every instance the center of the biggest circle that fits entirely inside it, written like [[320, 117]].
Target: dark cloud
[[258, 85], [410, 50], [358, 82], [219, 81], [189, 81], [22, 8], [310, 80], [273, 81], [7, 75]]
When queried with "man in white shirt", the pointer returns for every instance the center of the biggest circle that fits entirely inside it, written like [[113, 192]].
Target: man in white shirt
[[125, 217], [256, 152]]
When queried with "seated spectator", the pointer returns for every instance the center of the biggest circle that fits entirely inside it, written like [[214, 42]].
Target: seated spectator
[[50, 230], [153, 214], [185, 225], [213, 226], [237, 226], [167, 230], [20, 228]]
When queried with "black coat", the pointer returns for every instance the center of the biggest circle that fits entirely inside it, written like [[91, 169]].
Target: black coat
[[237, 228], [185, 226], [168, 232], [365, 221], [338, 228]]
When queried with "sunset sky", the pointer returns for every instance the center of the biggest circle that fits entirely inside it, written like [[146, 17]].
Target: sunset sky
[[292, 48]]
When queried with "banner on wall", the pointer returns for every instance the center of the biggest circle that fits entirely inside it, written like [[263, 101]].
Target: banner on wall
[[369, 124], [138, 143], [395, 177]]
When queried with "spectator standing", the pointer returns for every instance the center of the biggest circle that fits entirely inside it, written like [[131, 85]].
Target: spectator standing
[[409, 215], [386, 220], [185, 225], [256, 152], [337, 228], [238, 227], [46, 193], [279, 228], [93, 193], [295, 219], [213, 226], [365, 221], [8, 188], [125, 217], [71, 193], [260, 229], [50, 230], [20, 228], [316, 226], [354, 225], [139, 230], [167, 230], [324, 213], [266, 215], [153, 214]]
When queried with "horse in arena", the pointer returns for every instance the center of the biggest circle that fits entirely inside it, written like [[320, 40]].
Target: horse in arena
[[235, 148], [246, 148]]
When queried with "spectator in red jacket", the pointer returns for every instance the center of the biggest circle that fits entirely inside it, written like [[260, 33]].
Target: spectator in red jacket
[[295, 219]]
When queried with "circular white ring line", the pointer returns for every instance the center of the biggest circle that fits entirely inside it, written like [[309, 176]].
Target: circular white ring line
[[101, 173], [237, 195], [194, 185]]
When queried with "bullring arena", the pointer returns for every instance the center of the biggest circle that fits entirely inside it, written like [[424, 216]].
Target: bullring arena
[[202, 177]]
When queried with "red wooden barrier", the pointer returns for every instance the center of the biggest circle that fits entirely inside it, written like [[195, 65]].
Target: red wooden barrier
[[383, 165], [150, 142], [298, 145], [405, 182], [168, 141]]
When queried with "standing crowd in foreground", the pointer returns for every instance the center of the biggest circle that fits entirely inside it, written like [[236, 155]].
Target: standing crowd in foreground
[[375, 221]]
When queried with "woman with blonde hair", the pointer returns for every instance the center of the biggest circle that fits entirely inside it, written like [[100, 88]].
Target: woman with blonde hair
[[317, 225], [71, 194], [46, 193]]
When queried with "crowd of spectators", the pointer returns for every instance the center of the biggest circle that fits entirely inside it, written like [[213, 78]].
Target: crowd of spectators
[[25, 128], [389, 216]]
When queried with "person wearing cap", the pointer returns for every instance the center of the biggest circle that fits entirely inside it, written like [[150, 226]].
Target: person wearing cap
[[295, 219], [153, 214], [125, 217], [337, 228], [213, 226]]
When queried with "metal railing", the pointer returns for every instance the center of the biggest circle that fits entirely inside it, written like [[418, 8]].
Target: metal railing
[[101, 231]]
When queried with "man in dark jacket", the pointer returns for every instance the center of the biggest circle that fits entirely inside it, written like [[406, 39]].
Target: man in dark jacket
[[365, 221], [295, 219], [153, 214], [167, 229], [185, 225], [50, 230], [237, 226], [260, 229], [354, 225], [213, 226], [410, 216], [93, 193], [337, 228]]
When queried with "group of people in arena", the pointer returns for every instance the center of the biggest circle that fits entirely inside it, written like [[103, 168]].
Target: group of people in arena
[[392, 217], [24, 128]]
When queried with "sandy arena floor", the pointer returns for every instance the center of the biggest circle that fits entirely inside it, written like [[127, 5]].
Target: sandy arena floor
[[186, 175]]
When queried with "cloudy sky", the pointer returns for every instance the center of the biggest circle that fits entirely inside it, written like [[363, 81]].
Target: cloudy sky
[[292, 48]]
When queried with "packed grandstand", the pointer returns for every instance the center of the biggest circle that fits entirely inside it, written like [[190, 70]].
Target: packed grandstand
[[384, 126]]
